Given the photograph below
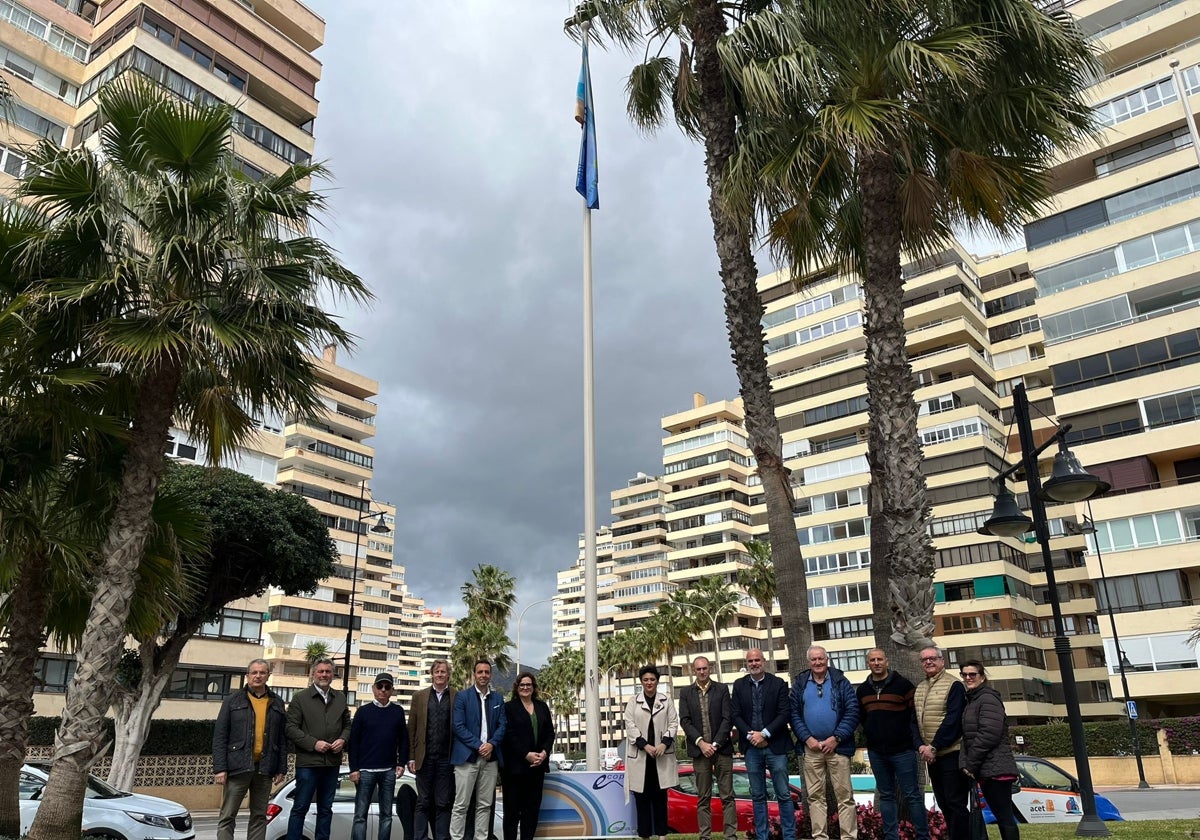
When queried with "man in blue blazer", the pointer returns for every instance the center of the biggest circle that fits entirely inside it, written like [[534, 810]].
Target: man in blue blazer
[[761, 710], [478, 723]]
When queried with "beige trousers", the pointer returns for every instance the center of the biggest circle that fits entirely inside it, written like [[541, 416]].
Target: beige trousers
[[816, 765]]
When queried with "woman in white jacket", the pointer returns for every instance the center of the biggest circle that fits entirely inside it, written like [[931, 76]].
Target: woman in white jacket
[[650, 767]]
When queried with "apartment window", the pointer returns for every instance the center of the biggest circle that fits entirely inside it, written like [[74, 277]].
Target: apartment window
[[242, 625], [1167, 410], [164, 32], [12, 162], [833, 596], [1016, 300], [815, 332], [834, 531], [1124, 363], [53, 674], [197, 54], [963, 523], [203, 683], [841, 562], [835, 410], [832, 501], [1151, 591], [1127, 256], [1084, 320], [1144, 531], [1132, 155], [811, 307], [836, 469], [849, 660]]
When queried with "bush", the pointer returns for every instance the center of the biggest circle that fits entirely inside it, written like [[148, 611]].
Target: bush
[[870, 825], [167, 737], [1105, 737]]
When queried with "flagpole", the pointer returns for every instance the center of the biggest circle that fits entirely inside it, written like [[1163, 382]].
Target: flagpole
[[591, 650]]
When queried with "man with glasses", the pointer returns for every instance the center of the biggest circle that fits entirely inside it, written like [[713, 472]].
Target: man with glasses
[[886, 700], [378, 753], [824, 717], [705, 714], [939, 703], [249, 751], [760, 711]]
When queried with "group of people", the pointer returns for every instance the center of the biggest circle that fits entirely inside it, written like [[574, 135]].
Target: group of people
[[457, 744], [956, 725]]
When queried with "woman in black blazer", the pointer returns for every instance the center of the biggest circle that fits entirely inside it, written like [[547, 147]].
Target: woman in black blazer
[[524, 757]]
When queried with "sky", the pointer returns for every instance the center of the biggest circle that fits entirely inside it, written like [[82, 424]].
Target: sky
[[449, 130]]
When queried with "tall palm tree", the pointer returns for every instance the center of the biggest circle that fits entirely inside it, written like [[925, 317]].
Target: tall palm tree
[[482, 632], [701, 94], [206, 286], [759, 582], [878, 126]]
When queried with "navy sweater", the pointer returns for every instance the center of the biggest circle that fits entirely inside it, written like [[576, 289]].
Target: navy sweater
[[378, 738]]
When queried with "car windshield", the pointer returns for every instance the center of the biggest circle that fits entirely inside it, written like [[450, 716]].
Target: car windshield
[[96, 789]]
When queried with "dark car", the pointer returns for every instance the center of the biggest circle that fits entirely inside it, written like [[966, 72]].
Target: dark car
[[682, 801]]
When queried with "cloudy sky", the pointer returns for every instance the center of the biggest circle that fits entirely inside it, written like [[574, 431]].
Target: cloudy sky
[[449, 129]]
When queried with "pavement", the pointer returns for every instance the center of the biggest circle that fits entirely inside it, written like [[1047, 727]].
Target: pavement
[[1162, 802]]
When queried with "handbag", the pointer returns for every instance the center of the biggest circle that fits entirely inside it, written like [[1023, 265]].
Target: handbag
[[976, 827]]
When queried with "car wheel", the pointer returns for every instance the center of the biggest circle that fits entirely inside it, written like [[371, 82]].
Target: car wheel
[[105, 834]]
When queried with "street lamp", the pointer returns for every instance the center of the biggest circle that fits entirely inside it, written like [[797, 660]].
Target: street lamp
[[1122, 660], [1069, 482], [716, 638], [380, 527]]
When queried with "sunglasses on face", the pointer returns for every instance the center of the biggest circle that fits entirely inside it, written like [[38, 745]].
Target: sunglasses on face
[[969, 675]]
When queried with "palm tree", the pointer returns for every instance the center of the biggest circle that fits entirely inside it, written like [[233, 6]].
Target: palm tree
[[561, 679], [877, 126], [203, 287], [759, 582], [482, 632], [314, 651], [700, 92]]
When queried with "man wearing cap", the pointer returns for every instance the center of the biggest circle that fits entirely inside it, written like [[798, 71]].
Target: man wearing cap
[[378, 753]]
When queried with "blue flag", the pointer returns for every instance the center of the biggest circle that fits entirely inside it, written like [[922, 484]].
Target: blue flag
[[587, 178]]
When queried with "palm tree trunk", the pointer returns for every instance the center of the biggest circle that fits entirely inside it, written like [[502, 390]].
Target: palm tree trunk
[[133, 711], [743, 319], [60, 815], [770, 640], [26, 633], [902, 561]]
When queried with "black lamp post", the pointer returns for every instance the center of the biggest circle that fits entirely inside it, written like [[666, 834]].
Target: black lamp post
[[1122, 660], [1068, 483], [380, 527]]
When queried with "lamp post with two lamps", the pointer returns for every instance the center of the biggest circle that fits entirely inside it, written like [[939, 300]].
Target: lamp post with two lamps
[[1069, 482], [380, 527]]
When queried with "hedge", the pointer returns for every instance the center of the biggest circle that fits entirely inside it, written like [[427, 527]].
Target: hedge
[[167, 737], [1111, 737]]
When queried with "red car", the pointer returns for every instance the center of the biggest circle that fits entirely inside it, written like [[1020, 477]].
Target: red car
[[681, 802]]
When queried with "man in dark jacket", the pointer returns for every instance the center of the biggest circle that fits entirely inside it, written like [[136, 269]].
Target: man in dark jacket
[[886, 700], [318, 725], [824, 717], [705, 715], [378, 754], [760, 712], [249, 751]]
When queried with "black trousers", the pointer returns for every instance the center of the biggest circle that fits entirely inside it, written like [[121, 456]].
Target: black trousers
[[435, 798], [999, 799], [951, 787], [522, 802], [651, 805]]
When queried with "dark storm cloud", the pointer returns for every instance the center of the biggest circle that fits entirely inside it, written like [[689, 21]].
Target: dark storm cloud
[[449, 130]]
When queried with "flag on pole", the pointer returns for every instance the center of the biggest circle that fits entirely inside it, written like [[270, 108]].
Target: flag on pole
[[587, 178]]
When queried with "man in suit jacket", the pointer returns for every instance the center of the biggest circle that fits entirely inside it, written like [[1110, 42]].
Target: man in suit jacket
[[706, 715], [478, 730], [761, 710], [430, 736]]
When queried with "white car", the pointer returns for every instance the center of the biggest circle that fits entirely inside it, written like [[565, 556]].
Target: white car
[[279, 810], [110, 813]]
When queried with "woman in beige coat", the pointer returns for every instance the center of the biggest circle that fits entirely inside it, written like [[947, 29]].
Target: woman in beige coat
[[650, 767]]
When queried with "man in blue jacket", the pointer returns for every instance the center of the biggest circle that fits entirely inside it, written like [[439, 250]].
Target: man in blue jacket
[[760, 713], [478, 722], [824, 717]]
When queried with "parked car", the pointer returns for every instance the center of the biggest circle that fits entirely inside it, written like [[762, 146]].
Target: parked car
[[108, 812], [1047, 793], [280, 810], [1044, 793], [683, 798]]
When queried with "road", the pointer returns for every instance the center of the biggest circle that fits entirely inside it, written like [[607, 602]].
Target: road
[[1167, 803]]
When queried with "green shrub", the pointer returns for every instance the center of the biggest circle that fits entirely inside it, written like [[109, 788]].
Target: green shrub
[[167, 737]]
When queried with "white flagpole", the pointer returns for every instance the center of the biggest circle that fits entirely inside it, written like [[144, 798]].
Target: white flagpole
[[591, 650]]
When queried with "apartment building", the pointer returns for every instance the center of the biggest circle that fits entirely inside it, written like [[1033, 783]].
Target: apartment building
[[1114, 269]]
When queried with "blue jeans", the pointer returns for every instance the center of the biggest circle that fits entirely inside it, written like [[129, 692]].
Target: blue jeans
[[900, 769], [313, 782], [758, 762], [368, 782]]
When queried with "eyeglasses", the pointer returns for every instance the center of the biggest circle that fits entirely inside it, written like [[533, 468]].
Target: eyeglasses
[[384, 686], [930, 658], [970, 675], [820, 689], [524, 685]]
